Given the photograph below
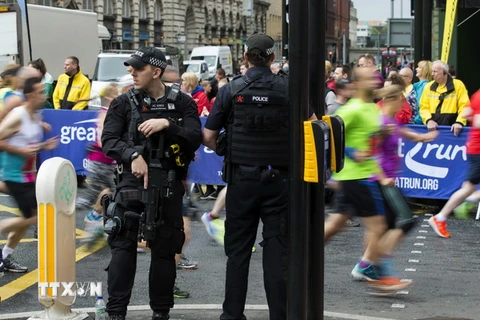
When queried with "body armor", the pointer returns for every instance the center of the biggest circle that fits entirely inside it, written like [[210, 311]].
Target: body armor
[[259, 133]]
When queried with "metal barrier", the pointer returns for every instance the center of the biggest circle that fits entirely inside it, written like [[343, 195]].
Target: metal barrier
[[56, 190]]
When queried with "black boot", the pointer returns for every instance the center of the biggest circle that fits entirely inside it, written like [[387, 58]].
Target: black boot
[[160, 316]]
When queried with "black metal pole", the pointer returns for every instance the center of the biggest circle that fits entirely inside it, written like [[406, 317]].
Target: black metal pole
[[284, 30], [316, 80], [28, 34], [298, 215], [418, 34], [427, 29]]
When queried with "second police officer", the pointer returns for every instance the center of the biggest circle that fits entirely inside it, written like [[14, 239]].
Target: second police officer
[[134, 126], [254, 110]]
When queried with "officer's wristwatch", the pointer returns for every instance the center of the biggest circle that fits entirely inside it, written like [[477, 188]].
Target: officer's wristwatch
[[134, 156]]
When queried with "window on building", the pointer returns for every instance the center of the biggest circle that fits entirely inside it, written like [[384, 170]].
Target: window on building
[[45, 2], [87, 5], [158, 11], [109, 9], [143, 9], [126, 9]]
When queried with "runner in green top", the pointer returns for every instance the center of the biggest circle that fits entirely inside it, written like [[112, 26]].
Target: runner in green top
[[359, 190], [362, 118]]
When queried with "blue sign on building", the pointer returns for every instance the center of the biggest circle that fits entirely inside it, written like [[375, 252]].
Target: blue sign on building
[[144, 35], [128, 35]]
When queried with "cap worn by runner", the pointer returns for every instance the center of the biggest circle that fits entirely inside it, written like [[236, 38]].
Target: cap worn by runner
[[260, 41], [147, 55]]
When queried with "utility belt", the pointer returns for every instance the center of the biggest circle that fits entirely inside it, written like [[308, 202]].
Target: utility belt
[[262, 174], [116, 218], [124, 173]]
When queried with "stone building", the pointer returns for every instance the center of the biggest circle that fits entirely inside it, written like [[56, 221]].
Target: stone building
[[274, 25], [180, 23]]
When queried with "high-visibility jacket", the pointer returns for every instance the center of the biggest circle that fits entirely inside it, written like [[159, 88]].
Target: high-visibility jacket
[[71, 92], [444, 104]]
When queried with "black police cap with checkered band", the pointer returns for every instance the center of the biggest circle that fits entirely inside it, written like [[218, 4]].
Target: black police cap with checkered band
[[260, 41], [147, 55]]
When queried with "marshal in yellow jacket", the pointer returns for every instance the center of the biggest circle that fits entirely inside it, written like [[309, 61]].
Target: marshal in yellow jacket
[[72, 93], [444, 104]]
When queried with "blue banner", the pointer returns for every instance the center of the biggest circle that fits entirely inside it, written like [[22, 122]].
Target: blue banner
[[76, 130], [207, 167], [429, 170], [435, 169]]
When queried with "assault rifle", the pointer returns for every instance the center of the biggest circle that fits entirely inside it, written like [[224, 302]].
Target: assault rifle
[[161, 183]]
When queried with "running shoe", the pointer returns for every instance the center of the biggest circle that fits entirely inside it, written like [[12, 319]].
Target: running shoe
[[186, 264], [463, 210], [440, 227], [179, 294], [13, 266], [93, 228], [389, 284], [364, 274]]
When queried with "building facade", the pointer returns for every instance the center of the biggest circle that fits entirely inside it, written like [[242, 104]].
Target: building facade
[[338, 20], [274, 25], [363, 35], [180, 23], [352, 27]]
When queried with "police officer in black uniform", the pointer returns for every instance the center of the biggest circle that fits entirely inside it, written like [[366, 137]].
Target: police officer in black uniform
[[133, 122], [254, 111]]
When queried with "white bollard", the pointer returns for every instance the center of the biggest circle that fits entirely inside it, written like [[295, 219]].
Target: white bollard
[[56, 190]]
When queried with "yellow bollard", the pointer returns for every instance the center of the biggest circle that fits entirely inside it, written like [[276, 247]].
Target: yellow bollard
[[56, 190]]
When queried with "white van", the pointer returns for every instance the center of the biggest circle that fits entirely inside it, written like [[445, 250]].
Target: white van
[[199, 67], [109, 69], [216, 57]]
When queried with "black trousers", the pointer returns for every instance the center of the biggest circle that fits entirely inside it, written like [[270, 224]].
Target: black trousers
[[169, 239], [247, 202]]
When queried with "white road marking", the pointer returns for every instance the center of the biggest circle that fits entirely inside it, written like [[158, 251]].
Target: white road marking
[[197, 307]]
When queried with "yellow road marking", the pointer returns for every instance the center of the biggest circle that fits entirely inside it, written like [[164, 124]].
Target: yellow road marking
[[79, 232], [14, 211], [28, 280], [16, 286]]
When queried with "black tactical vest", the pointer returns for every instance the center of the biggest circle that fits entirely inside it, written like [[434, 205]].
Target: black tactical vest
[[259, 133], [145, 110]]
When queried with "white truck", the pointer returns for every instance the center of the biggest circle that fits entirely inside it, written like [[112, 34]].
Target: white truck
[[199, 67], [216, 57], [55, 34]]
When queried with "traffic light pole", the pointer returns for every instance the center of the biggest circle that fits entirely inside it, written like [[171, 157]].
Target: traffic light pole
[[298, 222], [316, 77], [307, 204]]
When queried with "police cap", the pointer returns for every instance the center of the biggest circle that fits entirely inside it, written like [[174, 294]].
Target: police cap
[[260, 41], [147, 55]]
